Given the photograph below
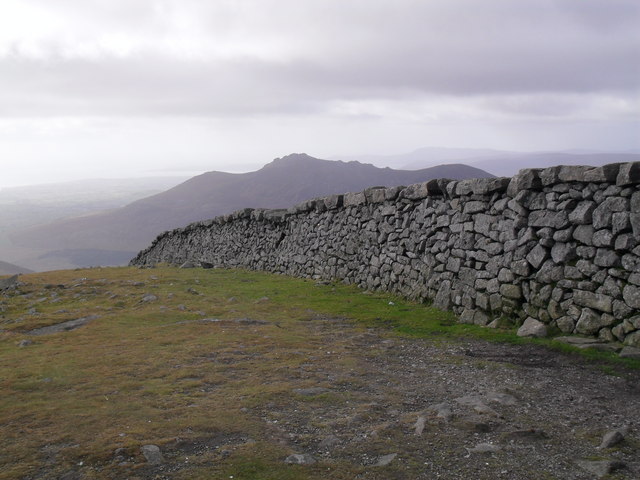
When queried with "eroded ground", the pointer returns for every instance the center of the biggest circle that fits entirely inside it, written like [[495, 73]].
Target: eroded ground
[[231, 373]]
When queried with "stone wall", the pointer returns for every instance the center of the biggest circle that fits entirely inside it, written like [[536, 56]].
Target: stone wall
[[560, 245]]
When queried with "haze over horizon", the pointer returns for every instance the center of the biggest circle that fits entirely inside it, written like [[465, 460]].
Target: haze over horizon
[[93, 89]]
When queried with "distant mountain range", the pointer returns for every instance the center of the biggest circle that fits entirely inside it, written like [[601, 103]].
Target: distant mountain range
[[112, 237], [11, 269], [502, 163]]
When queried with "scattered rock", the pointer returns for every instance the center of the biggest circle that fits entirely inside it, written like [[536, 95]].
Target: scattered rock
[[64, 326], [300, 459], [25, 343], [501, 398], [420, 423], [442, 411], [328, 442], [485, 448], [532, 328], [152, 454], [600, 468], [630, 352], [149, 297], [6, 283], [188, 264], [193, 291], [613, 437], [385, 460], [262, 300]]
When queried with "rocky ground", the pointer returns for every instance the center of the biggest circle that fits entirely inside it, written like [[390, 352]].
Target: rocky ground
[[413, 409], [468, 410], [311, 396]]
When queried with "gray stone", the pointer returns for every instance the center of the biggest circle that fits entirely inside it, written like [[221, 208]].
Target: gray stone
[[584, 234], [300, 459], [537, 256], [600, 468], [545, 218], [582, 213], [603, 214], [625, 242], [597, 301], [511, 291], [526, 179], [613, 438], [328, 442], [633, 339], [630, 352], [576, 341], [590, 322], [532, 328], [629, 174], [520, 267], [442, 411], [64, 326], [416, 191], [603, 238], [419, 425], [631, 296], [563, 252], [484, 448], [152, 454], [6, 283], [353, 199], [385, 460], [606, 258], [634, 218]]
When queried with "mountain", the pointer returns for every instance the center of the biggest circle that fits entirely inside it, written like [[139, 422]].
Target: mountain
[[430, 156], [109, 237], [502, 163], [11, 269], [36, 205], [507, 166]]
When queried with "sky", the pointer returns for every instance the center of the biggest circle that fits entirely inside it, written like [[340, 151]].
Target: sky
[[122, 88]]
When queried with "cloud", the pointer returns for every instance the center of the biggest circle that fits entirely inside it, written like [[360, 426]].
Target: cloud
[[250, 57], [237, 79]]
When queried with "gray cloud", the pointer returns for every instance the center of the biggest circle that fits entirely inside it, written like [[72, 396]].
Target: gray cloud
[[467, 67]]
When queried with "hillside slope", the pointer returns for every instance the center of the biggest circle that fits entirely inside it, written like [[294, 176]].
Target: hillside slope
[[11, 269], [119, 233]]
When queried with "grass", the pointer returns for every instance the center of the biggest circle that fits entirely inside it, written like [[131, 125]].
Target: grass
[[153, 372]]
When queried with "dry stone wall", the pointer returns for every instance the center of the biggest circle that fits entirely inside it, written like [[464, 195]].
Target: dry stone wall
[[560, 245]]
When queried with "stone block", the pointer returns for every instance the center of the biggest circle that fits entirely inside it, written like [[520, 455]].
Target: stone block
[[597, 301], [545, 218], [631, 296], [606, 258], [590, 322], [563, 252], [526, 179], [629, 174], [537, 256], [511, 291], [532, 328], [583, 212], [354, 199], [417, 191]]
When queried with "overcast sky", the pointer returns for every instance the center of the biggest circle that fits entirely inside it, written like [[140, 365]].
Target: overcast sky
[[95, 88]]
